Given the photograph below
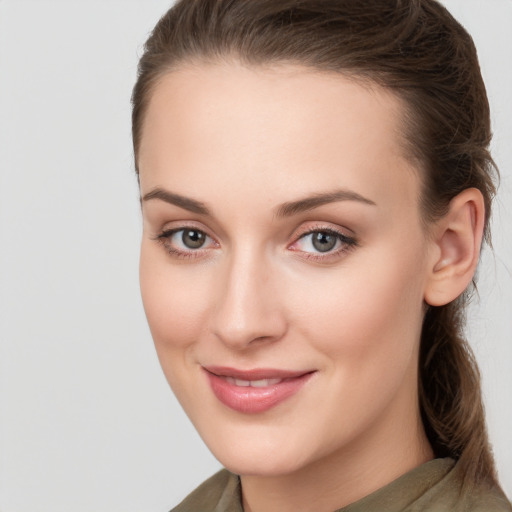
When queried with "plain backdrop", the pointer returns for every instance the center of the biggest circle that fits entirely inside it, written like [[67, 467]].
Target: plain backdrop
[[87, 422]]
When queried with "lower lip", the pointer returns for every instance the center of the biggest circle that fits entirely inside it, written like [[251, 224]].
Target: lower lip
[[249, 400]]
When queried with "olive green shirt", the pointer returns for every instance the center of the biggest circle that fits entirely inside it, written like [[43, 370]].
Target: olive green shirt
[[432, 487]]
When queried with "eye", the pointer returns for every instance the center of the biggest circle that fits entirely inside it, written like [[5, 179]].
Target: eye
[[322, 243], [186, 242], [192, 238]]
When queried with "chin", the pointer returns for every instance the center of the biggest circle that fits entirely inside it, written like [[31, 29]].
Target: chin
[[259, 458], [269, 466]]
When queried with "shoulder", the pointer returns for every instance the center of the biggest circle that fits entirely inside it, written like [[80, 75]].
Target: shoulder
[[219, 493], [487, 499], [436, 486], [451, 495]]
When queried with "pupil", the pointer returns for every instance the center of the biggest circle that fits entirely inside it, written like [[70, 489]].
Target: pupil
[[323, 242], [193, 239]]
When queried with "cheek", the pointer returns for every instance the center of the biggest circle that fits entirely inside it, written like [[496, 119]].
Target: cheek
[[174, 300], [370, 310], [366, 322]]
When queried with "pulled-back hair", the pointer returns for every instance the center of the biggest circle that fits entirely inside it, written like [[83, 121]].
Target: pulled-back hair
[[416, 49]]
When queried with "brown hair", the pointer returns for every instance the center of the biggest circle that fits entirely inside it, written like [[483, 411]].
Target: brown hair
[[416, 49]]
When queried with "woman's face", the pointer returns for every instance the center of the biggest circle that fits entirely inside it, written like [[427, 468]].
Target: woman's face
[[283, 263]]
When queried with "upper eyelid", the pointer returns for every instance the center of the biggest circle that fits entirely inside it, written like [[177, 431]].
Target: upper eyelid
[[165, 233], [180, 226], [338, 230], [345, 239], [322, 230]]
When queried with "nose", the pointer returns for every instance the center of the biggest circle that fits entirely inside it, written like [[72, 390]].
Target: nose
[[248, 308]]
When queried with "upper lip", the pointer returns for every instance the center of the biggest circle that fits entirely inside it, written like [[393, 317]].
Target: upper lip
[[255, 373]]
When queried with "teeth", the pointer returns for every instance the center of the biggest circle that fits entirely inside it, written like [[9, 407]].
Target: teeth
[[262, 383]]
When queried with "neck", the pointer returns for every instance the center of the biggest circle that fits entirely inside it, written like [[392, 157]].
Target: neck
[[345, 476]]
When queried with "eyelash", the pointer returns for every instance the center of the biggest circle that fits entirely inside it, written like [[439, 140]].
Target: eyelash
[[166, 235], [347, 243]]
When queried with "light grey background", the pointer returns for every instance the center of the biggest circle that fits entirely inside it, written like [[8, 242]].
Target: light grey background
[[87, 422]]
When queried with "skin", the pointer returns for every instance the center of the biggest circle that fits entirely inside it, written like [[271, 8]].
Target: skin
[[243, 141]]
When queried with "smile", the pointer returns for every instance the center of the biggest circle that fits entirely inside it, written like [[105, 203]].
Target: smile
[[254, 391], [262, 383]]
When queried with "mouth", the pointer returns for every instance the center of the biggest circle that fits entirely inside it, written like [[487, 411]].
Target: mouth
[[254, 391]]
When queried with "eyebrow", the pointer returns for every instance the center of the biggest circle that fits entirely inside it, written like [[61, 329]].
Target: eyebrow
[[316, 200], [287, 209], [192, 205]]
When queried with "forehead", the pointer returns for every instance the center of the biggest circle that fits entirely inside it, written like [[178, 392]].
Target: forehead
[[285, 127]]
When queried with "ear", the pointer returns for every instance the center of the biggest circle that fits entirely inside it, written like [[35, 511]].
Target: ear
[[457, 239]]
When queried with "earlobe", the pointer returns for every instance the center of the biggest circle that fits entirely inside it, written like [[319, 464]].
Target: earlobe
[[457, 238]]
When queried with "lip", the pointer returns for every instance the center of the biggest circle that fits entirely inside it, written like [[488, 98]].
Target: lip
[[251, 400]]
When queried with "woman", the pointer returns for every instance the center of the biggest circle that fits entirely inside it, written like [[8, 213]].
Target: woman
[[316, 183]]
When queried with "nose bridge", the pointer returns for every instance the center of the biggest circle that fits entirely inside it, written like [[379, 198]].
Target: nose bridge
[[248, 306]]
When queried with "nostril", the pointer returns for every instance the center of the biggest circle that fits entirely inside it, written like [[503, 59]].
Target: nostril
[[261, 339]]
